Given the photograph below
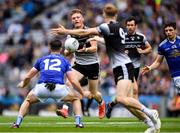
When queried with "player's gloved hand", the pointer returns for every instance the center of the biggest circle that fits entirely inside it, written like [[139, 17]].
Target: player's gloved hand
[[50, 86]]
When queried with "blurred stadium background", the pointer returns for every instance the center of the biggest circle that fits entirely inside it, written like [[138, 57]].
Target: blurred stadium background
[[25, 30]]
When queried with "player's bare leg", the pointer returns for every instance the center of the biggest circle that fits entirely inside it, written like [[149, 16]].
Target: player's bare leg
[[135, 89], [138, 113], [69, 98], [93, 88], [123, 87], [30, 99], [74, 99]]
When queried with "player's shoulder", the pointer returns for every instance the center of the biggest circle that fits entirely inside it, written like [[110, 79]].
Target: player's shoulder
[[115, 24], [178, 37], [140, 34], [163, 42]]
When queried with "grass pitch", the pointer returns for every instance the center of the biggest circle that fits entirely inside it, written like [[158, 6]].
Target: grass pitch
[[34, 124]]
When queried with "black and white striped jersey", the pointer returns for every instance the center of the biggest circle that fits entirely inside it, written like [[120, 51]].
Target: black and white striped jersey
[[132, 42], [85, 58]]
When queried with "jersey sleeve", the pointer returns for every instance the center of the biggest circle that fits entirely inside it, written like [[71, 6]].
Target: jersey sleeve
[[145, 41], [160, 51], [103, 29], [37, 64]]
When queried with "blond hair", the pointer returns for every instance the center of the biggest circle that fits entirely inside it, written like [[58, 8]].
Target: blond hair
[[110, 10]]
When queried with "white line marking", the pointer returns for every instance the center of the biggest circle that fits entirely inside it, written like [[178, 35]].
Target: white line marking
[[70, 123], [83, 132]]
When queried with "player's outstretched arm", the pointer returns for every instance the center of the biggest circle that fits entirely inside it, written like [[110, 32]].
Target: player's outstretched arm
[[28, 78], [154, 65], [78, 32]]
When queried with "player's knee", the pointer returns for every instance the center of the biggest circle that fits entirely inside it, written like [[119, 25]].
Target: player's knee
[[121, 99], [96, 93], [27, 100]]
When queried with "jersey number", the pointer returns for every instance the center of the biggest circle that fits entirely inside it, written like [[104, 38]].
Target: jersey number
[[122, 35], [53, 64]]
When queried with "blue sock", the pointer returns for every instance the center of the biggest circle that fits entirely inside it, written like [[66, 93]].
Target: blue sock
[[78, 119], [19, 120]]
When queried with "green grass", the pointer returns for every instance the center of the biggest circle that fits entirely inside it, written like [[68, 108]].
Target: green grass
[[92, 124]]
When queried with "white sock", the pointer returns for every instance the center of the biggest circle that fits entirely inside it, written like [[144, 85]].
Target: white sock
[[65, 106], [148, 122], [147, 111]]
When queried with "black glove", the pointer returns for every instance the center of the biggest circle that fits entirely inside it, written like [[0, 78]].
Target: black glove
[[50, 86]]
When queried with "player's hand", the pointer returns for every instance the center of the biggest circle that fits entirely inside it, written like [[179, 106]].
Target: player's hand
[[21, 85], [80, 96], [88, 94], [145, 70], [82, 49], [140, 51], [58, 31]]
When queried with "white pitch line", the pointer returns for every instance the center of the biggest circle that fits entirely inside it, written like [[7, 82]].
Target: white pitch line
[[84, 132], [70, 123]]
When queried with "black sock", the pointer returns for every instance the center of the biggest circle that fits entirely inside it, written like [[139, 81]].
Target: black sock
[[100, 102], [112, 104], [82, 105], [88, 104]]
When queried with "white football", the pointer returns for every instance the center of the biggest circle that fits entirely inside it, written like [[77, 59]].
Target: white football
[[71, 44]]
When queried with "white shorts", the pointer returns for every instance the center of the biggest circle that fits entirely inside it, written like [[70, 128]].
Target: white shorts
[[42, 93]]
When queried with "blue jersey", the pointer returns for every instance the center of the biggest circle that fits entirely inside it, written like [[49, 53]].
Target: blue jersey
[[171, 51], [52, 68]]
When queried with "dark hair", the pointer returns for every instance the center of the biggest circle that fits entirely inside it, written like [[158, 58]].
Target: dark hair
[[170, 24], [55, 44], [132, 18], [76, 11]]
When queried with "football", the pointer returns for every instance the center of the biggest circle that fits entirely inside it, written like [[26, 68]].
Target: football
[[71, 44]]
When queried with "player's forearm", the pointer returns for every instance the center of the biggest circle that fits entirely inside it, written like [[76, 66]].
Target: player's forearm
[[147, 51], [28, 77], [76, 32], [154, 65], [77, 86], [157, 62]]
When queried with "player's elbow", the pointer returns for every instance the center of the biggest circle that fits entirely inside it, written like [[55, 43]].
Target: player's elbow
[[150, 50]]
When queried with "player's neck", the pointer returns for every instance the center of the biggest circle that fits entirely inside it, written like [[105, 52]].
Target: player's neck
[[132, 33], [79, 27], [172, 39], [108, 20], [55, 52]]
